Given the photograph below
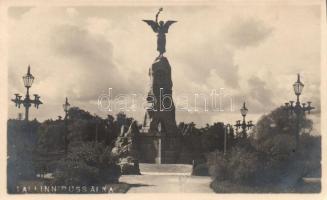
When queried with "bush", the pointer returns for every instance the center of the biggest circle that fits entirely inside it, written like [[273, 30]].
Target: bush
[[87, 164], [269, 161], [22, 139], [239, 166]]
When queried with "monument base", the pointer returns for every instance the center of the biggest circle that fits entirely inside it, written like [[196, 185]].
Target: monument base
[[158, 149]]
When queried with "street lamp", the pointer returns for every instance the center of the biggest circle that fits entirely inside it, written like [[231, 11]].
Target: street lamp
[[66, 107], [245, 126], [298, 108], [27, 101]]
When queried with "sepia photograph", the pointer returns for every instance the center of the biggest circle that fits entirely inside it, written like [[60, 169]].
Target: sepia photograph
[[222, 97]]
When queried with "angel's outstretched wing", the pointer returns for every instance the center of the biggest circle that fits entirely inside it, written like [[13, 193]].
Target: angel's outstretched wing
[[153, 25], [167, 24]]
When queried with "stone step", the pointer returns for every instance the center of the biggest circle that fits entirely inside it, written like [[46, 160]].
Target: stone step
[[311, 180], [165, 169]]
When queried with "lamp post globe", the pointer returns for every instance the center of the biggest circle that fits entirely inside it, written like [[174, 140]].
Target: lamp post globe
[[298, 86], [66, 106], [28, 78], [244, 110]]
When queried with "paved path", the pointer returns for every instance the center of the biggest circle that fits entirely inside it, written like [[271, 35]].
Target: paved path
[[169, 178], [165, 169]]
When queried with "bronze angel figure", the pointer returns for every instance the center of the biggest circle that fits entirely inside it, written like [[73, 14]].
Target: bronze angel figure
[[161, 29]]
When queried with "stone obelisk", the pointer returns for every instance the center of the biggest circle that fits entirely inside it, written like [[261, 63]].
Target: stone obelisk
[[160, 115]]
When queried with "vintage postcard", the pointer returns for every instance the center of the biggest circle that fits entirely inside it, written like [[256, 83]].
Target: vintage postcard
[[192, 99]]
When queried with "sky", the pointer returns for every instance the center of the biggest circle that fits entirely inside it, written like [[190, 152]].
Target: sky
[[250, 52]]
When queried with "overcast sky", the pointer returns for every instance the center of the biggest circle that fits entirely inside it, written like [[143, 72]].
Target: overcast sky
[[253, 52]]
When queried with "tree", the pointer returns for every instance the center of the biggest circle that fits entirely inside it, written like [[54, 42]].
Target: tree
[[51, 136], [280, 121], [213, 137]]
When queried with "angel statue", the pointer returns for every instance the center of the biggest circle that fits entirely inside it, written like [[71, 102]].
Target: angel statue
[[161, 29]]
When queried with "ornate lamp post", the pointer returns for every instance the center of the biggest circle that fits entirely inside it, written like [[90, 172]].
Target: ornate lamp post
[[245, 126], [66, 107], [27, 101], [297, 108]]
